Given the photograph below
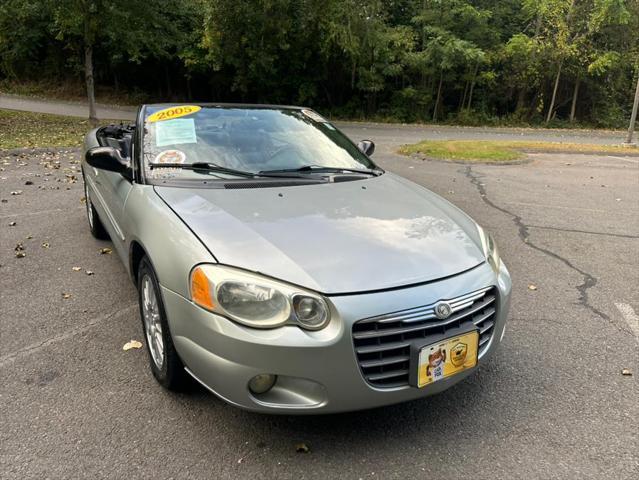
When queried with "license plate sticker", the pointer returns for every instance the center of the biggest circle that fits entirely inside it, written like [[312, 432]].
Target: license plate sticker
[[447, 357]]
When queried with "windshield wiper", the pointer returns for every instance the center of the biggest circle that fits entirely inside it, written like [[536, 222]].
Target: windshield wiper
[[321, 169], [215, 168]]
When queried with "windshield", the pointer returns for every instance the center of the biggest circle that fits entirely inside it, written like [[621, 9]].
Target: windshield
[[247, 139]]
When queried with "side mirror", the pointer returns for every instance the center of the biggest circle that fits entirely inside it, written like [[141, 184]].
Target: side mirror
[[108, 158], [367, 147]]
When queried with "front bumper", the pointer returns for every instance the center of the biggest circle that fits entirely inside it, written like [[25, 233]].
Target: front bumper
[[317, 371]]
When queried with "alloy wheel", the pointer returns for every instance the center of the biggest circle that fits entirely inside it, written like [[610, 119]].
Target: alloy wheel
[[152, 323]]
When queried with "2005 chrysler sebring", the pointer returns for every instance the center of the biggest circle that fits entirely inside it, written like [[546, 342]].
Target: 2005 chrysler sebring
[[281, 268]]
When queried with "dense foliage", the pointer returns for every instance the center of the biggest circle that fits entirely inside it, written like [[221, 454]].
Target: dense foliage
[[469, 61]]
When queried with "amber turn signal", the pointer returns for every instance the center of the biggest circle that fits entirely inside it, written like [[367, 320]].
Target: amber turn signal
[[201, 289]]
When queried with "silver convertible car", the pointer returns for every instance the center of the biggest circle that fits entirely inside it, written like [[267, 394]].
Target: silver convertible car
[[282, 269]]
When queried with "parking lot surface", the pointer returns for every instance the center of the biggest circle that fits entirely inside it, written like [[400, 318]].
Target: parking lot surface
[[552, 402]]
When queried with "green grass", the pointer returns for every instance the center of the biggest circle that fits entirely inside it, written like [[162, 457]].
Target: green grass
[[499, 151], [26, 129]]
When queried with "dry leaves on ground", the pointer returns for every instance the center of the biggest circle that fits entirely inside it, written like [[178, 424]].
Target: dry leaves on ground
[[131, 344]]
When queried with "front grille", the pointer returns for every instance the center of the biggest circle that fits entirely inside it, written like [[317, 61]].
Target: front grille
[[382, 343]]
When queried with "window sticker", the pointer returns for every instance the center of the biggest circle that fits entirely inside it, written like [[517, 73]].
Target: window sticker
[[174, 132], [173, 112], [170, 156], [316, 117]]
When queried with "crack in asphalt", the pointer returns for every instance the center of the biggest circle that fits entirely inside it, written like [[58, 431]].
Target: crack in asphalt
[[588, 232], [589, 281]]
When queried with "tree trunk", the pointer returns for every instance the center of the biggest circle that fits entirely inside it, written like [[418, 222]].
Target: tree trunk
[[554, 93], [533, 104], [88, 77], [574, 100], [463, 98], [633, 115], [521, 100], [439, 95], [472, 86]]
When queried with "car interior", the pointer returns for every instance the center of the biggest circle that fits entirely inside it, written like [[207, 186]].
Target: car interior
[[117, 136]]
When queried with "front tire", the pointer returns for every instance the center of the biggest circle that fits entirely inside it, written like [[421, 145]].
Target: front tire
[[166, 365], [95, 224]]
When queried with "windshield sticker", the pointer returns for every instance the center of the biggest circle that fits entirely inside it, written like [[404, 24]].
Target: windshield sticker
[[174, 132], [170, 156], [316, 117], [173, 112]]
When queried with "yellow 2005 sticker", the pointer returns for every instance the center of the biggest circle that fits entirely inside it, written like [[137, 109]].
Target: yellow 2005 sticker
[[173, 112]]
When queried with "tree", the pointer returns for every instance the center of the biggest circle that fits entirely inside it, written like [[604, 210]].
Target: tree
[[459, 60], [131, 29]]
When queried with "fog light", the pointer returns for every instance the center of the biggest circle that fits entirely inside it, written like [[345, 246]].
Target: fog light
[[262, 383]]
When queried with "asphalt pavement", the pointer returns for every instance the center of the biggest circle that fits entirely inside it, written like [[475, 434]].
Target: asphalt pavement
[[552, 403]]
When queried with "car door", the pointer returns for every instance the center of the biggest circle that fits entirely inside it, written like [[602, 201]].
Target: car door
[[109, 193], [115, 188]]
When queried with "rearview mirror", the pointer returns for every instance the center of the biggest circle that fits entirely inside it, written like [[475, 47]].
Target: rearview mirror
[[108, 158], [367, 147]]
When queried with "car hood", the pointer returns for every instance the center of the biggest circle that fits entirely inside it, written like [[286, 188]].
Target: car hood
[[346, 237]]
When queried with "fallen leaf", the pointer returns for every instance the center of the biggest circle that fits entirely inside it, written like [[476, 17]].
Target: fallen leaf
[[131, 344], [302, 448], [532, 287], [76, 269], [106, 251], [89, 272], [627, 372], [66, 295]]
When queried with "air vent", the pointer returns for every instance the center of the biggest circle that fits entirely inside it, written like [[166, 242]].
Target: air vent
[[270, 183]]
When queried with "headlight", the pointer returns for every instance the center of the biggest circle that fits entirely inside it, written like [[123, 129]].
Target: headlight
[[490, 248], [254, 300]]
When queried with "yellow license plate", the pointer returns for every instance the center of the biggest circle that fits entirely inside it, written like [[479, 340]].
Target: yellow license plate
[[447, 357]]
